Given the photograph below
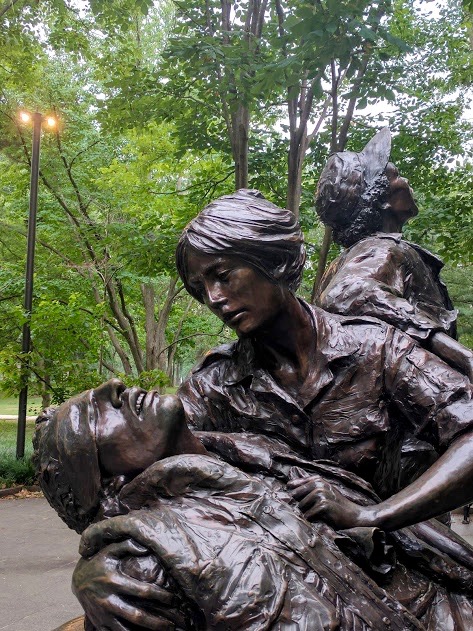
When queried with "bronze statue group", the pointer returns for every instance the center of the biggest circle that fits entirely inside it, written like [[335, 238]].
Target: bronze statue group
[[295, 480]]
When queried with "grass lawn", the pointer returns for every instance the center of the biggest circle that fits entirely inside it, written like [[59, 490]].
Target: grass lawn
[[9, 405], [13, 471]]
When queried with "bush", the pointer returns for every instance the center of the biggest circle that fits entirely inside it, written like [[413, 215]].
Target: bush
[[12, 471], [15, 472]]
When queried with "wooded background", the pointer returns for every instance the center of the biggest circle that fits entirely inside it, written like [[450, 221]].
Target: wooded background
[[165, 105]]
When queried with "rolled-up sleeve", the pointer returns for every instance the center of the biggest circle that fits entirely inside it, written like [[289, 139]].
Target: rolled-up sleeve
[[435, 399]]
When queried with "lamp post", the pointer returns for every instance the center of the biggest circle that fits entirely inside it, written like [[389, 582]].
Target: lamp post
[[37, 120]]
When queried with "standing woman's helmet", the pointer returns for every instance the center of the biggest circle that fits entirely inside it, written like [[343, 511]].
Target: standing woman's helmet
[[352, 189]]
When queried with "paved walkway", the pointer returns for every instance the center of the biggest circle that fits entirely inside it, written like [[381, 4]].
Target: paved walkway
[[38, 553], [37, 557], [464, 530]]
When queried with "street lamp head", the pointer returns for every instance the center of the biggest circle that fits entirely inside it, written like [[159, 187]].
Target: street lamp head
[[25, 117], [50, 121]]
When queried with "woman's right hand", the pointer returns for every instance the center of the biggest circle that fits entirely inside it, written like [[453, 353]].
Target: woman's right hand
[[109, 596], [321, 501]]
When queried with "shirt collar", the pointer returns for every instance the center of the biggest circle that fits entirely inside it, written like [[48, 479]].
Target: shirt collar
[[333, 341], [430, 258]]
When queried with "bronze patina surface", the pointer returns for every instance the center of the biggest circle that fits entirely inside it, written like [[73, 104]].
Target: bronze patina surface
[[366, 202], [267, 494], [73, 625]]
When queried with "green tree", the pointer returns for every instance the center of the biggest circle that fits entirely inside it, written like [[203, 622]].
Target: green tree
[[166, 105], [105, 279]]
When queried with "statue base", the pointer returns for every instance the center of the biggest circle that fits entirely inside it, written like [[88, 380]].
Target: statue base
[[77, 624]]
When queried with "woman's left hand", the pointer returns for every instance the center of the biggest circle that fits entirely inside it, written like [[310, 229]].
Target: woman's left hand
[[320, 501]]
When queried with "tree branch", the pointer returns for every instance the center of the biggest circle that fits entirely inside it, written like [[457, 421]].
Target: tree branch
[[212, 184], [92, 144], [6, 7], [188, 337], [82, 206], [127, 326]]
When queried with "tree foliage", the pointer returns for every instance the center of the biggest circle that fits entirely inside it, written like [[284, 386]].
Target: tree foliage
[[110, 212], [166, 105]]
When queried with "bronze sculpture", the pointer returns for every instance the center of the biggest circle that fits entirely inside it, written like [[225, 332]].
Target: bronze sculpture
[[366, 202], [311, 402], [364, 199]]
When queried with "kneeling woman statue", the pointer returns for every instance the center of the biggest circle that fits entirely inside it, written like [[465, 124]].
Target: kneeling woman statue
[[281, 507]]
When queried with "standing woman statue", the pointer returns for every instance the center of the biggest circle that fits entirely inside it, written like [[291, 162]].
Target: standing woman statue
[[366, 202]]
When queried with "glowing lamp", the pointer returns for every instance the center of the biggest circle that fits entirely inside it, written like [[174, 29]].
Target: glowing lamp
[[25, 117]]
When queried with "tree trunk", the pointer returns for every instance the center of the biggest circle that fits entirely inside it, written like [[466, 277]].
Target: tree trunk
[[127, 367], [295, 162], [45, 385], [235, 108], [156, 328], [240, 131], [162, 322], [117, 304], [173, 346], [324, 250], [151, 332]]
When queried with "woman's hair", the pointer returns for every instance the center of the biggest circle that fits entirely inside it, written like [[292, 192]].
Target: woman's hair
[[353, 189], [249, 227], [66, 462]]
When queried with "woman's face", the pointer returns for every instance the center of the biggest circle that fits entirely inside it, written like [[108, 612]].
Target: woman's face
[[401, 196], [133, 428], [237, 293]]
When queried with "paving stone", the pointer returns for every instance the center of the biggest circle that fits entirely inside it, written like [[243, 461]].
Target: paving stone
[[38, 553]]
